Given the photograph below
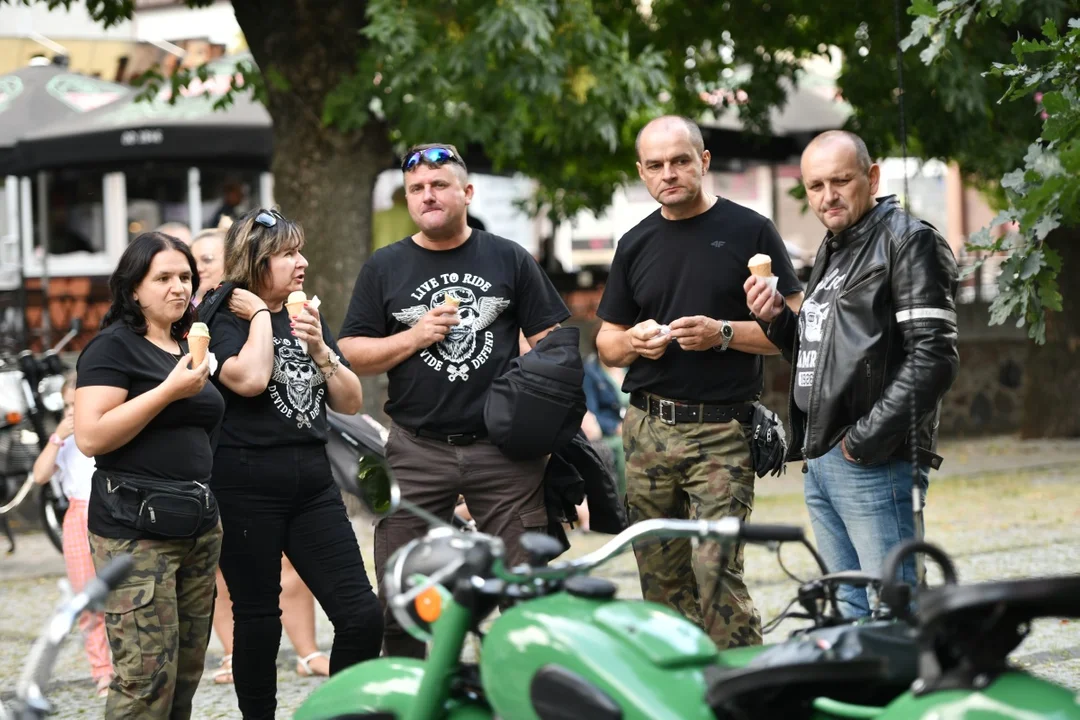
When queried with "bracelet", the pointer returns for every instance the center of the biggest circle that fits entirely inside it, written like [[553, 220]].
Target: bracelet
[[55, 440], [266, 310]]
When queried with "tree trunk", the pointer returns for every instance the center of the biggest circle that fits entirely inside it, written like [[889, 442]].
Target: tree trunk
[[323, 177], [1052, 398]]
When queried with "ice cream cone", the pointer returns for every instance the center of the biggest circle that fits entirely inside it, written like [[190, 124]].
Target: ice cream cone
[[198, 342], [452, 301], [295, 303], [760, 265]]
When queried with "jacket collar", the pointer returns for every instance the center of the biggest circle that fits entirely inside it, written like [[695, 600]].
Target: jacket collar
[[866, 223]]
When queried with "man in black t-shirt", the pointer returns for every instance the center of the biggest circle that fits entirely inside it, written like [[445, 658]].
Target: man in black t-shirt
[[440, 312], [674, 312]]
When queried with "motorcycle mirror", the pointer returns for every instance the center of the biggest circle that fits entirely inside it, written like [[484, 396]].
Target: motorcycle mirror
[[379, 491]]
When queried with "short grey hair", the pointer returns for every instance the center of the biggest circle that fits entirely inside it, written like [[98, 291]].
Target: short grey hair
[[862, 155], [696, 140]]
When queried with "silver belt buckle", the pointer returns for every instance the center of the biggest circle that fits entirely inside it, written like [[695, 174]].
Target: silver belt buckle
[[669, 407]]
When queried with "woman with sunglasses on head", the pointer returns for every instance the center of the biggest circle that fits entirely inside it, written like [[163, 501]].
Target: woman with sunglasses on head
[[271, 475]]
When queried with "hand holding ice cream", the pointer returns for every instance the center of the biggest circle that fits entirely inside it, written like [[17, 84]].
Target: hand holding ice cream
[[762, 298], [295, 305]]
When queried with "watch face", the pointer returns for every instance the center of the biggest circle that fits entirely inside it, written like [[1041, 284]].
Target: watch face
[[726, 330]]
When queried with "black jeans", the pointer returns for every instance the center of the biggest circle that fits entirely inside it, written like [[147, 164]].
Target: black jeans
[[284, 499]]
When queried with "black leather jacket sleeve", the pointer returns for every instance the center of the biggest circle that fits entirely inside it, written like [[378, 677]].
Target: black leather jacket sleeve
[[781, 331], [924, 282]]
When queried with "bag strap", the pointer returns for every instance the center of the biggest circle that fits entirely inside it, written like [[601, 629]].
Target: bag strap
[[213, 300]]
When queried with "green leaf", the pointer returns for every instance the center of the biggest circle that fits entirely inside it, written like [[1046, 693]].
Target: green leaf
[[924, 8], [1032, 264], [1049, 29], [1045, 226]]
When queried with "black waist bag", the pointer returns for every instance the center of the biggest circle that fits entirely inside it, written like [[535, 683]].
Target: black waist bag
[[167, 508], [535, 408]]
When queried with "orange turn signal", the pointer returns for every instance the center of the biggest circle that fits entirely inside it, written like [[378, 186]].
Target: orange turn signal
[[13, 417], [429, 605]]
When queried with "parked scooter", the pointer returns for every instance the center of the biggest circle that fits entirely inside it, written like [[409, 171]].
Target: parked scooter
[[31, 404], [30, 702], [567, 648]]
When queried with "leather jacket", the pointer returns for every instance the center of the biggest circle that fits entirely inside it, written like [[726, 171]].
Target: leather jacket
[[888, 342]]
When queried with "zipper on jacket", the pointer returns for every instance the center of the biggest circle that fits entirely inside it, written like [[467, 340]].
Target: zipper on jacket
[[863, 280]]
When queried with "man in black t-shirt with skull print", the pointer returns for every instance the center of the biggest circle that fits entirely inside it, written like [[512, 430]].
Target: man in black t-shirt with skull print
[[674, 312], [440, 312]]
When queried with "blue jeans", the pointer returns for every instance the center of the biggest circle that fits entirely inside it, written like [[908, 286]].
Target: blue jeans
[[859, 513]]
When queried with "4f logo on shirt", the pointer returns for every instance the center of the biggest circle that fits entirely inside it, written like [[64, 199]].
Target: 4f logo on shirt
[[468, 345]]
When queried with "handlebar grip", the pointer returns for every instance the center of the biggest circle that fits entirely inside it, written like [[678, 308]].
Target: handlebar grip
[[761, 532], [114, 573]]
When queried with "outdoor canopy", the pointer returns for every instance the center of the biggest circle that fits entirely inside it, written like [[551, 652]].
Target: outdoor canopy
[[39, 95], [134, 131]]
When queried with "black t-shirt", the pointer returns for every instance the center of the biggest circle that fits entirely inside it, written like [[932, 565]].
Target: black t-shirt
[[812, 322], [501, 289], [175, 445], [292, 409], [668, 269]]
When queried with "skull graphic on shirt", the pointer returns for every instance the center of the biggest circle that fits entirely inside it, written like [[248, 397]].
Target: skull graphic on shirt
[[474, 316], [294, 369]]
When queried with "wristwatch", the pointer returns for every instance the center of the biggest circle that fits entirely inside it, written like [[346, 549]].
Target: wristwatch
[[331, 365], [726, 334]]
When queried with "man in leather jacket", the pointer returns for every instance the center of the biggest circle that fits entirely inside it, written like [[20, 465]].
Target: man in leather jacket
[[873, 344]]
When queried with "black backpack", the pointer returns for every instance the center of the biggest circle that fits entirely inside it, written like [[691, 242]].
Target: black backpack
[[535, 408]]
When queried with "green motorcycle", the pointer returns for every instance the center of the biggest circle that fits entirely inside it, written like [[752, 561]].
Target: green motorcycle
[[566, 648]]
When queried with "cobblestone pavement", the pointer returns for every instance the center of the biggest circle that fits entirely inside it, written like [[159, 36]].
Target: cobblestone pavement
[[998, 519]]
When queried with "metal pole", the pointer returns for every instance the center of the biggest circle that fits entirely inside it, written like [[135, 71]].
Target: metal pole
[[194, 198], [26, 230], [43, 232]]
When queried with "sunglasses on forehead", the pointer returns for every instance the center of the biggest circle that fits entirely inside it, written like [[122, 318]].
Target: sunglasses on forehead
[[268, 218], [432, 156]]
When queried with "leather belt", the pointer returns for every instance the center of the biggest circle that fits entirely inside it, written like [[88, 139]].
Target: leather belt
[[672, 412], [456, 439]]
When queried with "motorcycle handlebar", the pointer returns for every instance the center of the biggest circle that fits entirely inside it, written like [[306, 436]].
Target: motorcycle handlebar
[[759, 532]]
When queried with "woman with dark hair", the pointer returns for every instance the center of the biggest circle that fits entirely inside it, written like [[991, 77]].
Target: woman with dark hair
[[272, 476], [147, 417]]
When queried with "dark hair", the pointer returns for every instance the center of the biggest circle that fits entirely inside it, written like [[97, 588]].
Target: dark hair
[[132, 269]]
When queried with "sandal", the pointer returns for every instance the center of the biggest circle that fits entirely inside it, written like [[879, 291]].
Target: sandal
[[223, 675], [303, 665]]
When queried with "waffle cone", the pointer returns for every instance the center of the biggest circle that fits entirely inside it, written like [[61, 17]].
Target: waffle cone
[[197, 346]]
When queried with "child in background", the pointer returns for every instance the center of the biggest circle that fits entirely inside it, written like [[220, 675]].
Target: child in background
[[75, 470]]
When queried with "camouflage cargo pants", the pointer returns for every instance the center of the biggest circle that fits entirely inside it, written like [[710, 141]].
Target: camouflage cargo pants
[[158, 623], [692, 471]]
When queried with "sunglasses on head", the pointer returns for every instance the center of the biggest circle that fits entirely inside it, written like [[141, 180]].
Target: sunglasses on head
[[432, 156], [268, 218]]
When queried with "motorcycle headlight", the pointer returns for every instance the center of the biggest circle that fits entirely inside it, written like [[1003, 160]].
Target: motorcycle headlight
[[411, 566]]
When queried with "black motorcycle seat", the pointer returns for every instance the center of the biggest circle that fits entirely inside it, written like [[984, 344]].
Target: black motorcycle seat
[[1019, 600], [788, 691]]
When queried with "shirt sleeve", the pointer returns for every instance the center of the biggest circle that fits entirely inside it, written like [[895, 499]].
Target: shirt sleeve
[[366, 316], [103, 362], [228, 334], [617, 303], [771, 244], [539, 304]]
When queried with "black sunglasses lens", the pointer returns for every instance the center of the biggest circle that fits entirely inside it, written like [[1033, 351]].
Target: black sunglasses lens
[[266, 219]]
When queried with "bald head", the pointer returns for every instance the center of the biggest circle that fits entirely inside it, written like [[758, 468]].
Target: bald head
[[839, 178], [668, 124]]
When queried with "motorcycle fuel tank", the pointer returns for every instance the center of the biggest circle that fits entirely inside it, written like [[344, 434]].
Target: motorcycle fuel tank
[[564, 656]]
